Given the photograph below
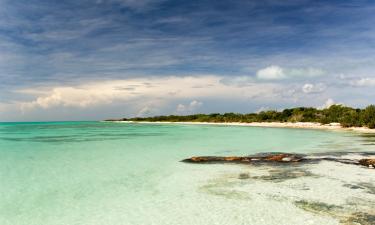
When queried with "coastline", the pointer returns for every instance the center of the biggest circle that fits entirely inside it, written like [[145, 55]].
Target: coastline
[[303, 125]]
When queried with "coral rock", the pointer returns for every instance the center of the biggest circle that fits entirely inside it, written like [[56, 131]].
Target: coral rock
[[367, 162]]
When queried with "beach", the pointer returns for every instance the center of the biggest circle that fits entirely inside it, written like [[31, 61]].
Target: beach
[[304, 125]]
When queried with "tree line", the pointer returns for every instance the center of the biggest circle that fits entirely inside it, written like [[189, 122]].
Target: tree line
[[346, 116]]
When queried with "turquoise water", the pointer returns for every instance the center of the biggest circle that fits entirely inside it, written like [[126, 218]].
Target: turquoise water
[[121, 173]]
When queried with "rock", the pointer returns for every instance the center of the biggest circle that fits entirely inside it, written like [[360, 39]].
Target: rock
[[370, 163], [270, 157], [284, 158], [213, 159], [278, 158]]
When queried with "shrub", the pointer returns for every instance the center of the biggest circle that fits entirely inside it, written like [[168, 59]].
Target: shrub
[[368, 116], [346, 116]]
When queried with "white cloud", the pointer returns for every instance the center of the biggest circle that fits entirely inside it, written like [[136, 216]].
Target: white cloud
[[80, 97], [364, 82], [190, 108], [161, 89], [271, 73], [262, 109], [327, 104], [313, 88], [150, 96], [145, 111], [180, 108], [278, 73], [195, 104], [304, 72]]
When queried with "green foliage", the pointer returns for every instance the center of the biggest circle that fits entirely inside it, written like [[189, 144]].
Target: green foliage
[[346, 116], [368, 116]]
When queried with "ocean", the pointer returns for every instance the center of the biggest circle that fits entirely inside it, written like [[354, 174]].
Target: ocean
[[98, 173]]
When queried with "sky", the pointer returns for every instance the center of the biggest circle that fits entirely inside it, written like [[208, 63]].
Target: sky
[[98, 59]]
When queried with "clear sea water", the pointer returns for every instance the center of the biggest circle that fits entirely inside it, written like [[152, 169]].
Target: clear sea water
[[97, 173]]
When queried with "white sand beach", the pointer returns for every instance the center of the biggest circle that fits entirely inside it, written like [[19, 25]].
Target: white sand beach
[[305, 125]]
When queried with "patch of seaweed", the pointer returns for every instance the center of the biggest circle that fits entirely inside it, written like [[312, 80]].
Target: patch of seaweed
[[345, 217], [243, 176], [284, 174], [318, 207], [360, 218], [224, 188], [370, 187]]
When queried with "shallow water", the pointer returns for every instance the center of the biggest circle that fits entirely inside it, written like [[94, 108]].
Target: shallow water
[[81, 173]]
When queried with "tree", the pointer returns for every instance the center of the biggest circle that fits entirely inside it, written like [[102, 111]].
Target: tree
[[368, 116], [346, 116]]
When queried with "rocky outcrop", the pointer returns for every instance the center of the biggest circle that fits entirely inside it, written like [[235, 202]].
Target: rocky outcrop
[[370, 163], [278, 158], [272, 157]]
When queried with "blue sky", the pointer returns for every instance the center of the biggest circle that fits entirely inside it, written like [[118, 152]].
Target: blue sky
[[74, 60]]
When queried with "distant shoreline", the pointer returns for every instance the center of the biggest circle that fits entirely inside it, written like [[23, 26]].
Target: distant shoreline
[[304, 125]]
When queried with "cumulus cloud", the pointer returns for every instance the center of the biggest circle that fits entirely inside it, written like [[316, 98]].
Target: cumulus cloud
[[161, 89], [157, 95], [364, 82], [271, 73], [330, 102], [274, 72], [313, 88], [81, 97], [189, 108]]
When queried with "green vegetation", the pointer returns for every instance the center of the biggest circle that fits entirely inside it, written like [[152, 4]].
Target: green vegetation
[[346, 116]]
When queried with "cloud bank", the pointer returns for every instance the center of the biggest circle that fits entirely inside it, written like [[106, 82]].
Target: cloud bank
[[165, 88]]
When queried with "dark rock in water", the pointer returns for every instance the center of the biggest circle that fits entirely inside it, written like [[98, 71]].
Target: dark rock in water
[[271, 157], [284, 158], [370, 163], [340, 160], [280, 158], [213, 159]]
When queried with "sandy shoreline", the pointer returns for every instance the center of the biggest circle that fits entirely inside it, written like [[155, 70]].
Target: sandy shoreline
[[305, 125]]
